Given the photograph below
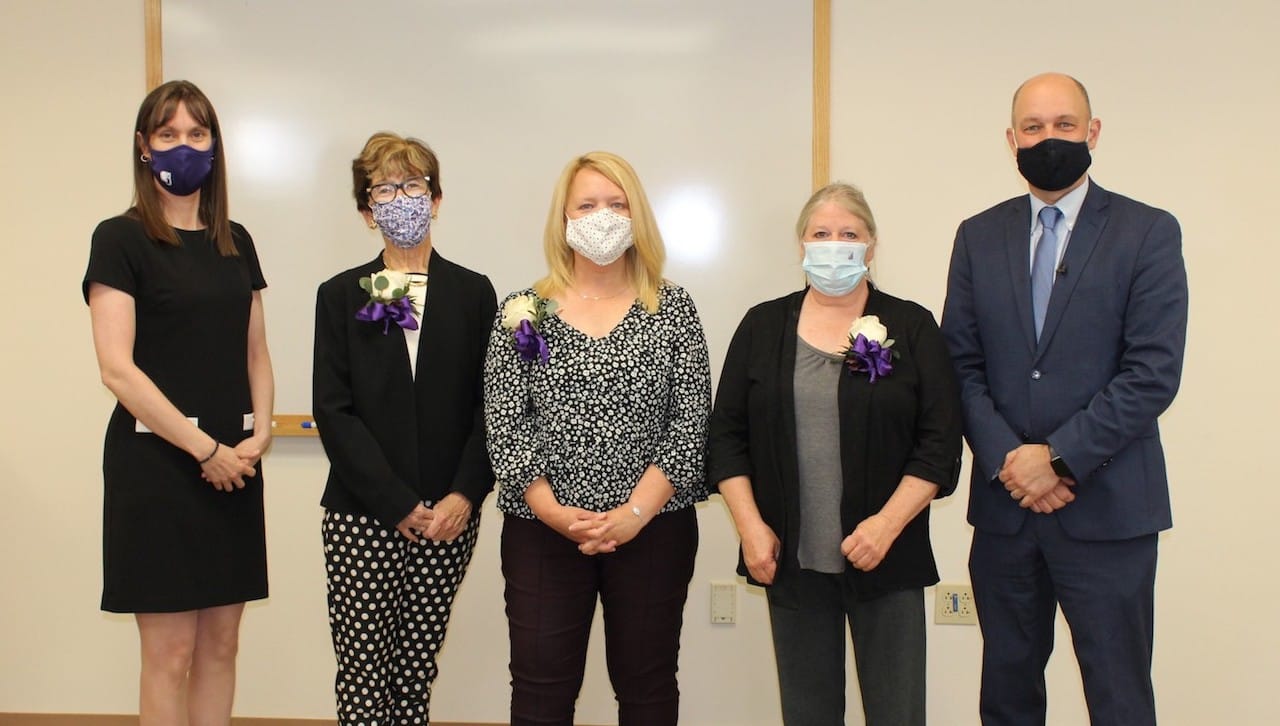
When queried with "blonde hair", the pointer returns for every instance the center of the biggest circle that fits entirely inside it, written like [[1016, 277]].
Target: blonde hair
[[847, 197], [391, 154], [644, 259]]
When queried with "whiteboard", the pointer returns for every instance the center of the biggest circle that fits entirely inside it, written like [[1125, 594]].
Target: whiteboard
[[708, 99]]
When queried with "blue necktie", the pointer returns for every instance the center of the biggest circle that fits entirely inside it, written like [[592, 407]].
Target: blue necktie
[[1043, 264]]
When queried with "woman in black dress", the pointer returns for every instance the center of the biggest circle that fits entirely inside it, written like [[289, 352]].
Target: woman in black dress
[[399, 347], [173, 292]]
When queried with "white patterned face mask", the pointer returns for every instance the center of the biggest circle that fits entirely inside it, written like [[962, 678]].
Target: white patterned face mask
[[601, 236]]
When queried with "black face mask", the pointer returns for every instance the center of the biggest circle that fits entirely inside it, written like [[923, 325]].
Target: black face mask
[[1054, 164]]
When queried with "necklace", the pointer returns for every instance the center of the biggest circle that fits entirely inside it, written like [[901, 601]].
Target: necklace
[[601, 297]]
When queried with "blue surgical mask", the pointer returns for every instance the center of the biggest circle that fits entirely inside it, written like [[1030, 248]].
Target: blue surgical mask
[[835, 268]]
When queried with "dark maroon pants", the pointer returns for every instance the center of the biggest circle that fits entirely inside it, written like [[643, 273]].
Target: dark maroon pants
[[551, 591]]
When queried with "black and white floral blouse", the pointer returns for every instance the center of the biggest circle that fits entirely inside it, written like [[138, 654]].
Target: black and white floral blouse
[[601, 410]]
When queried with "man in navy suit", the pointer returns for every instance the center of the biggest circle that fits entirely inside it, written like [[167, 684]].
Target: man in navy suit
[[1066, 316]]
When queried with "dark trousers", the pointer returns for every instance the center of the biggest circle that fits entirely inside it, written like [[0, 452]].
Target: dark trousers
[[389, 605], [888, 634], [551, 591], [1107, 594]]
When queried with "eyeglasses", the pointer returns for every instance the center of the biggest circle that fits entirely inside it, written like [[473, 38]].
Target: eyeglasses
[[384, 193]]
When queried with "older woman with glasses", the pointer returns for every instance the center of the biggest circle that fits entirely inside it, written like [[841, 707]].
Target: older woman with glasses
[[399, 348]]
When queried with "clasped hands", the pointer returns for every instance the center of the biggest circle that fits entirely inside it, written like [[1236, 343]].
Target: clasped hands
[[229, 466], [1030, 479], [596, 533], [441, 523]]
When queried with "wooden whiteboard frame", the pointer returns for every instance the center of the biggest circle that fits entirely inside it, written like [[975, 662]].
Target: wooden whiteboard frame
[[821, 93]]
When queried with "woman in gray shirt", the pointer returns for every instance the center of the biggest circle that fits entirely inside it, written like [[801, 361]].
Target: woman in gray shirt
[[837, 422]]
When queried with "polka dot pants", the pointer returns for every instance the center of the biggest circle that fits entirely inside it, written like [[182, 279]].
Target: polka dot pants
[[389, 603]]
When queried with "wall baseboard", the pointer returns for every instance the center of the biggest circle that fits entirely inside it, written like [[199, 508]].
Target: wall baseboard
[[87, 719]]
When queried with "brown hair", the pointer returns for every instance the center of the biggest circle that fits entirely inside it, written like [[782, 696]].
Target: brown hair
[[392, 154], [157, 109], [644, 259]]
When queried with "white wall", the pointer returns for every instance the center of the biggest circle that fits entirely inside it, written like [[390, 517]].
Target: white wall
[[72, 74], [920, 99], [1186, 92]]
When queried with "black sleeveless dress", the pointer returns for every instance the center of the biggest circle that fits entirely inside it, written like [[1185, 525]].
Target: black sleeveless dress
[[171, 542]]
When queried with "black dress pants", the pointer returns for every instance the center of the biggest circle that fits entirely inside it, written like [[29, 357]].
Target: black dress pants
[[551, 593]]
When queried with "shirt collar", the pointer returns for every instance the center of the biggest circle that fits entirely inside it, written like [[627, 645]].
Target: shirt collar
[[1069, 205]]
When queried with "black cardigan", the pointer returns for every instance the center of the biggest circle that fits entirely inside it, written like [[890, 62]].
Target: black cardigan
[[393, 440], [906, 423]]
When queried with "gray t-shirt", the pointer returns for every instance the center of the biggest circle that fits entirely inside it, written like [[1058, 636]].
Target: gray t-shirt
[[817, 377]]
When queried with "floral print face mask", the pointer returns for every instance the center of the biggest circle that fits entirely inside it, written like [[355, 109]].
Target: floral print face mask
[[404, 220]]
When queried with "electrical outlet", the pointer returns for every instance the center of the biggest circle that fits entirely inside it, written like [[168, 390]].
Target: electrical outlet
[[953, 605], [724, 602]]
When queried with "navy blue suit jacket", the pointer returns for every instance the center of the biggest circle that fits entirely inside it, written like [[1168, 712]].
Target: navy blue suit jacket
[[1108, 361]]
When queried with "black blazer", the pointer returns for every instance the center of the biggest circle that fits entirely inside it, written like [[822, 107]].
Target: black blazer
[[393, 440], [906, 423]]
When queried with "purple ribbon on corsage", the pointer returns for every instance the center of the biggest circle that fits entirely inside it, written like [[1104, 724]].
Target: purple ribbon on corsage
[[399, 312], [529, 343], [869, 356]]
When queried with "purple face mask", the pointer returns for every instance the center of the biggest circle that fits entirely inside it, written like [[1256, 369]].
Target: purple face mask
[[182, 170]]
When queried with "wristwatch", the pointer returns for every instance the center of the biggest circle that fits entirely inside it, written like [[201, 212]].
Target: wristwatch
[[1059, 466]]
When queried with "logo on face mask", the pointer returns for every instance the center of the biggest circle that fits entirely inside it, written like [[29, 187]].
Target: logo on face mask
[[182, 170], [835, 268], [602, 236]]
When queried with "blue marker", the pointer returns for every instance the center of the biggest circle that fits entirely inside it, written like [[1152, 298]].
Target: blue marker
[[309, 425]]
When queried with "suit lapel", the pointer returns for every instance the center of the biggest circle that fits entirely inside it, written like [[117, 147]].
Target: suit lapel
[[784, 446], [429, 325], [854, 394], [1017, 240], [388, 346], [1080, 245]]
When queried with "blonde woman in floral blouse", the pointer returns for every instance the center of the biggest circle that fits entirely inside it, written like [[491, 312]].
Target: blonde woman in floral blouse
[[597, 389]]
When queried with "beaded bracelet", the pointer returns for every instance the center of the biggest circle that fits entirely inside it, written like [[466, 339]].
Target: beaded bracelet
[[216, 446]]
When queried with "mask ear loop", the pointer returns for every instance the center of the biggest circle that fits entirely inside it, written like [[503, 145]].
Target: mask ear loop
[[871, 278]]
